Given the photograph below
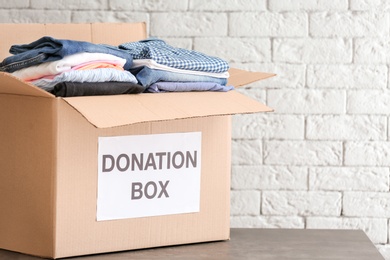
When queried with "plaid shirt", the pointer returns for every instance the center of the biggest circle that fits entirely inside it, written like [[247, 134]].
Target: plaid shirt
[[179, 58]]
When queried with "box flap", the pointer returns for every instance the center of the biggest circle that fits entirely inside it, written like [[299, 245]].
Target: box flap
[[112, 111], [240, 77], [108, 33], [13, 85]]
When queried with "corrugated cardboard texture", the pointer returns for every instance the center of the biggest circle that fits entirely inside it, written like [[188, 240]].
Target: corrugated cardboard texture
[[112, 111], [27, 159], [109, 111], [12, 85], [76, 228]]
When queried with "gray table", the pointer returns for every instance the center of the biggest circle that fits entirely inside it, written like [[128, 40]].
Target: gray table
[[261, 244]]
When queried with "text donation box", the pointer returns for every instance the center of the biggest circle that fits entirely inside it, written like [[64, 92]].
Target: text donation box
[[148, 175]]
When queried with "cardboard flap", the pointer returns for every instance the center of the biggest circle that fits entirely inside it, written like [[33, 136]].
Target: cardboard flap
[[13, 85], [240, 78], [108, 33], [112, 111]]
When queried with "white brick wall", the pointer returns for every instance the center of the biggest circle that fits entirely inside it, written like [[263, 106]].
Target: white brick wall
[[312, 50], [301, 203], [375, 228], [322, 159], [350, 76], [312, 153], [349, 24]]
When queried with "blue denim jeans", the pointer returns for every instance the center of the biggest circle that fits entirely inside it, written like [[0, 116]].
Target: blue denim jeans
[[187, 86], [50, 49], [147, 76]]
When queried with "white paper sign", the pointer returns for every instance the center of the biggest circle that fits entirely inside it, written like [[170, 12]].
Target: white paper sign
[[148, 175]]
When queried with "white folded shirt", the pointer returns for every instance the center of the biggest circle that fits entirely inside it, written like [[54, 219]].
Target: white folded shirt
[[94, 75], [65, 64]]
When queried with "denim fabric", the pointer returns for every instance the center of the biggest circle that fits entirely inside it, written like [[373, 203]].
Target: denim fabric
[[49, 49], [187, 86], [179, 58], [75, 89], [147, 77], [95, 75]]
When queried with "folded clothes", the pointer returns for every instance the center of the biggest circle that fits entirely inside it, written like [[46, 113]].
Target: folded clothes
[[179, 58], [65, 64], [74, 89], [187, 86], [147, 76], [95, 75], [98, 65], [154, 65], [48, 49]]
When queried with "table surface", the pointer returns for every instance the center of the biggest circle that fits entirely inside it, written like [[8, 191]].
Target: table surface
[[265, 244]]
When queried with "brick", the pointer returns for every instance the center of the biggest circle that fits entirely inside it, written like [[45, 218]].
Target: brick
[[362, 5], [269, 177], [245, 203], [246, 152], [367, 153], [346, 127], [307, 101], [287, 75], [375, 228], [309, 50], [191, 24], [150, 5], [69, 4], [107, 17], [184, 43], [349, 179], [270, 126], [301, 203], [228, 5], [349, 24], [308, 5], [14, 4], [34, 16], [301, 153], [347, 76], [366, 204], [236, 49], [266, 222], [372, 50], [268, 24], [368, 102]]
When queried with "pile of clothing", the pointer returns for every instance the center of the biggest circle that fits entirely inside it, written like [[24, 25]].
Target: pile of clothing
[[160, 67], [76, 68]]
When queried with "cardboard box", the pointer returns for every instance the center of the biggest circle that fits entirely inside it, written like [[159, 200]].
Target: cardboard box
[[49, 156]]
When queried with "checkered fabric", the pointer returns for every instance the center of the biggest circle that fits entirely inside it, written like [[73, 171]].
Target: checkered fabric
[[179, 58]]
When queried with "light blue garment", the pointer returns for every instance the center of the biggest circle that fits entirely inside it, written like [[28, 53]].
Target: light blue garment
[[187, 86], [179, 58], [51, 49], [147, 76], [94, 75]]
